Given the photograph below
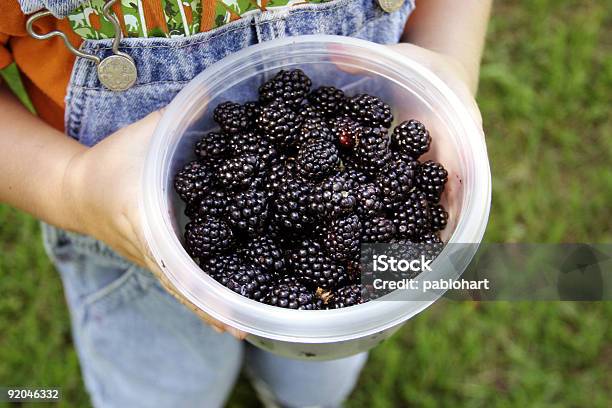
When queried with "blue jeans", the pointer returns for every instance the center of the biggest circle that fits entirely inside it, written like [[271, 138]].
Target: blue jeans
[[137, 345]]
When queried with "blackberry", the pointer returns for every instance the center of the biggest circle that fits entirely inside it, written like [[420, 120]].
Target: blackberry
[[396, 180], [249, 281], [350, 295], [316, 159], [253, 144], [231, 117], [369, 110], [315, 130], [290, 293], [334, 197], [213, 204], [291, 205], [212, 146], [207, 237], [193, 181], [327, 99], [369, 200], [264, 252], [280, 171], [411, 138], [438, 216], [343, 238], [412, 217], [251, 110], [315, 268], [372, 152], [279, 123], [289, 86], [378, 229], [221, 265], [355, 175], [238, 172], [248, 211], [346, 131], [431, 178], [430, 244]]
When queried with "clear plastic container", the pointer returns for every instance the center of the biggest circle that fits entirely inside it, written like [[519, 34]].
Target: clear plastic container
[[356, 66]]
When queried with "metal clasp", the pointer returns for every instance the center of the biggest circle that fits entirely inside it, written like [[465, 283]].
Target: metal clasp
[[116, 72]]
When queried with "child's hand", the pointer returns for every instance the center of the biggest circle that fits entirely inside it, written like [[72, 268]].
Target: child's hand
[[102, 184], [451, 71]]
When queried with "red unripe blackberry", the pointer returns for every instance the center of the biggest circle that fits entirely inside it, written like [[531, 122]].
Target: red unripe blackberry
[[315, 268], [208, 237], [396, 180], [343, 240], [231, 117], [264, 252], [317, 159], [193, 181], [289, 86], [439, 217], [327, 99], [350, 295], [369, 110], [431, 178], [378, 229], [279, 123], [411, 218], [238, 172], [346, 131], [248, 211], [290, 293], [411, 138]]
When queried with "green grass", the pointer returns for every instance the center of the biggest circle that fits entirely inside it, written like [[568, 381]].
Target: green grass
[[545, 97]]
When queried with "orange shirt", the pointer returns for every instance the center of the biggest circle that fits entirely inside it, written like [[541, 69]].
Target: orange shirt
[[45, 65]]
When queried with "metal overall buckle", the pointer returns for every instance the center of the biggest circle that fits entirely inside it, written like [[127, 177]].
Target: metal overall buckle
[[116, 72]]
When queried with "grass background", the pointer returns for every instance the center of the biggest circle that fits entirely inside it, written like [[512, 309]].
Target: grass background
[[545, 97]]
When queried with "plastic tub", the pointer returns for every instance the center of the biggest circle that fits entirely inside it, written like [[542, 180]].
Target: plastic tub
[[357, 66]]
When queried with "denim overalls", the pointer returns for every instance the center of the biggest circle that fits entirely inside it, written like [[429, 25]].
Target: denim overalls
[[137, 345]]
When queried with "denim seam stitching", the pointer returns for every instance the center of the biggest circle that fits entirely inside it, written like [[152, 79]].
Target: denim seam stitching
[[112, 287], [300, 11]]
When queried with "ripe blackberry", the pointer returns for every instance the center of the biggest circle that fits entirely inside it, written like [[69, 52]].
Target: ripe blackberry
[[251, 109], [378, 229], [279, 123], [369, 200], [430, 244], [411, 218], [231, 117], [350, 295], [369, 110], [317, 159], [253, 144], [315, 130], [411, 138], [431, 178], [213, 204], [221, 265], [315, 268], [343, 238], [346, 131], [238, 172], [212, 146], [290, 293], [289, 86], [248, 211], [264, 252], [207, 237], [372, 152], [438, 216], [193, 181], [249, 281], [327, 99], [334, 197], [355, 175], [396, 180], [279, 172], [291, 205]]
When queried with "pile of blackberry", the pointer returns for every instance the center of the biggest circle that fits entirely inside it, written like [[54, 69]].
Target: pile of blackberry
[[282, 196]]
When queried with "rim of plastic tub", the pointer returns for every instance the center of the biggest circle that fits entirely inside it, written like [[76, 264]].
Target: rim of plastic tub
[[325, 326]]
